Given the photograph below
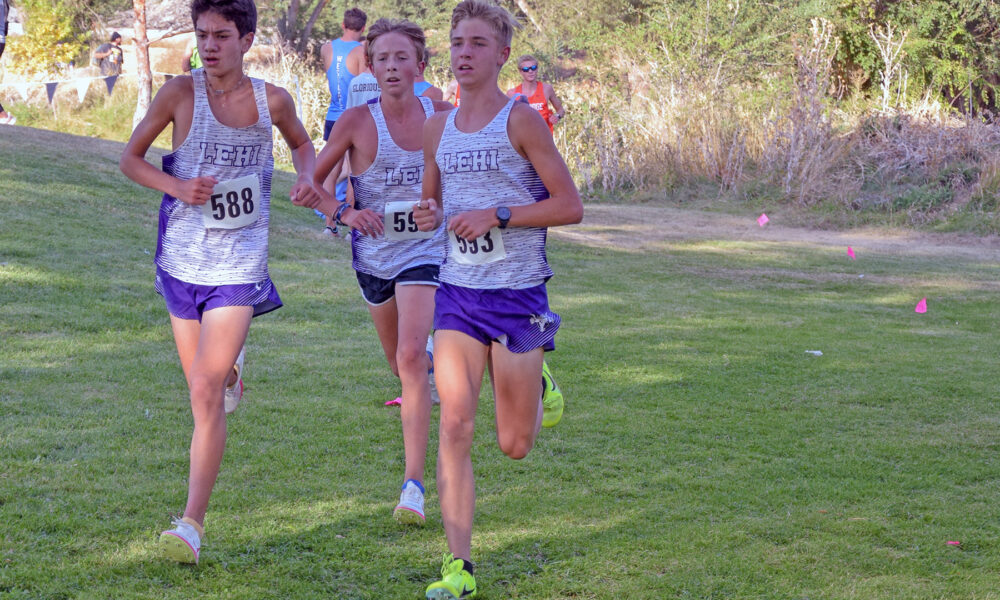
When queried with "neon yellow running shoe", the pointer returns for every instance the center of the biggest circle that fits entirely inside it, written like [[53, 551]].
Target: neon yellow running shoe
[[455, 582], [552, 399]]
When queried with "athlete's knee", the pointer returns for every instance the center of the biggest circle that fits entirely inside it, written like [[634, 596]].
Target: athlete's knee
[[456, 430], [411, 358], [206, 392], [516, 446]]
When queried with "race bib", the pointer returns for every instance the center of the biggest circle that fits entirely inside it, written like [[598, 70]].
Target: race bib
[[399, 223], [234, 204], [485, 249]]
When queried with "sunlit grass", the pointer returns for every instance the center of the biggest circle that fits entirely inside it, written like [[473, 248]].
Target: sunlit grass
[[704, 453]]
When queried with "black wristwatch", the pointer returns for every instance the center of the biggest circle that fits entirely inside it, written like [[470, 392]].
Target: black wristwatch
[[503, 215]]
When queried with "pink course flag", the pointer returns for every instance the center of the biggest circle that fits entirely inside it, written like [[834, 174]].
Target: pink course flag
[[762, 219], [850, 252], [921, 306]]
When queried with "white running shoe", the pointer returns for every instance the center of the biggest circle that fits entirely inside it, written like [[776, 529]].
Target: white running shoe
[[8, 120], [234, 393], [410, 510], [183, 542]]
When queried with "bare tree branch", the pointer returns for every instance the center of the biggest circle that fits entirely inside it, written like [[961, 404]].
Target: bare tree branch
[[523, 6], [307, 32]]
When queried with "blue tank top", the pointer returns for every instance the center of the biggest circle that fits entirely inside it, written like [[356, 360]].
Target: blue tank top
[[419, 87], [338, 78]]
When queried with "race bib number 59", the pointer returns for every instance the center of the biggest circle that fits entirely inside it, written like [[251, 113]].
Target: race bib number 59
[[234, 204], [480, 251], [399, 223]]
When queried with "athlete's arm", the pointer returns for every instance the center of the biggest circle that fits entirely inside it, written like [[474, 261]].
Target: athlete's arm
[[176, 94], [428, 213], [450, 91], [282, 109], [356, 60], [531, 138], [326, 53], [550, 96], [434, 93], [563, 206], [341, 140], [336, 147]]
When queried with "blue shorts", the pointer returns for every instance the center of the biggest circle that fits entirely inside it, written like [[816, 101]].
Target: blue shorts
[[519, 319], [377, 291], [191, 300]]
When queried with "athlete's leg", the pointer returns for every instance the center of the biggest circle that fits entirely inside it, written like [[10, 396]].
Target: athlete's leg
[[208, 351], [386, 321], [459, 361], [517, 390], [416, 313]]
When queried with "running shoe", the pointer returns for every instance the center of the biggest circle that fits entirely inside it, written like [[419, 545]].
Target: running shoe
[[552, 399], [234, 393], [455, 582], [8, 120], [183, 542], [410, 510]]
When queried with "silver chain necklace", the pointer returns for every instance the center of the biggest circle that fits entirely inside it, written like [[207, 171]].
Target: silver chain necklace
[[221, 92]]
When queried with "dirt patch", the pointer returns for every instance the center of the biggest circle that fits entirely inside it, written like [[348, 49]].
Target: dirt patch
[[647, 227]]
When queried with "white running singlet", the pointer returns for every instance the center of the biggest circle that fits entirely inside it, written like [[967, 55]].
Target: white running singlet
[[186, 248], [483, 170], [395, 175]]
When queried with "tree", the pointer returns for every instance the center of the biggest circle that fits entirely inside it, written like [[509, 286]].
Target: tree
[[291, 27], [142, 43], [142, 63], [952, 48], [49, 39]]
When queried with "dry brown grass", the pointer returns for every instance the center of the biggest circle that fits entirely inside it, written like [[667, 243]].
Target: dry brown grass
[[669, 130]]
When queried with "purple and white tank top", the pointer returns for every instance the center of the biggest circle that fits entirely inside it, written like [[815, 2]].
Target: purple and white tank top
[[482, 170], [189, 246], [395, 176]]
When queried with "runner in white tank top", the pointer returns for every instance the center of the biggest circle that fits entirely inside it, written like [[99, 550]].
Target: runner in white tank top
[[188, 248], [212, 246], [493, 175], [397, 265]]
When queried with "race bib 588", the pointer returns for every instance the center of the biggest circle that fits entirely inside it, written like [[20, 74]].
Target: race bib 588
[[234, 204]]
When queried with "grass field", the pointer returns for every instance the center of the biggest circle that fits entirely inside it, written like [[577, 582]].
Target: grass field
[[703, 454]]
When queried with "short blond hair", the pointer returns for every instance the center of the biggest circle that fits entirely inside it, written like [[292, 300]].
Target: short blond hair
[[526, 58], [499, 20], [402, 27]]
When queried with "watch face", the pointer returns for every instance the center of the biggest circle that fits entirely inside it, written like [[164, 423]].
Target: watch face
[[503, 213]]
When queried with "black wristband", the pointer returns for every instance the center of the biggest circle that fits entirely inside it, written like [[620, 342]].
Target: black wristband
[[340, 211]]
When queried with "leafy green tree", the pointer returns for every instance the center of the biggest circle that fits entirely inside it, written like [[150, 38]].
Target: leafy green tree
[[953, 46], [50, 37]]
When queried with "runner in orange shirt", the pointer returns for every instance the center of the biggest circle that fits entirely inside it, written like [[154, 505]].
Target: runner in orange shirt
[[538, 94]]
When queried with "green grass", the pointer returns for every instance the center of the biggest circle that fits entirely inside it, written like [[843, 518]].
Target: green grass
[[703, 453]]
